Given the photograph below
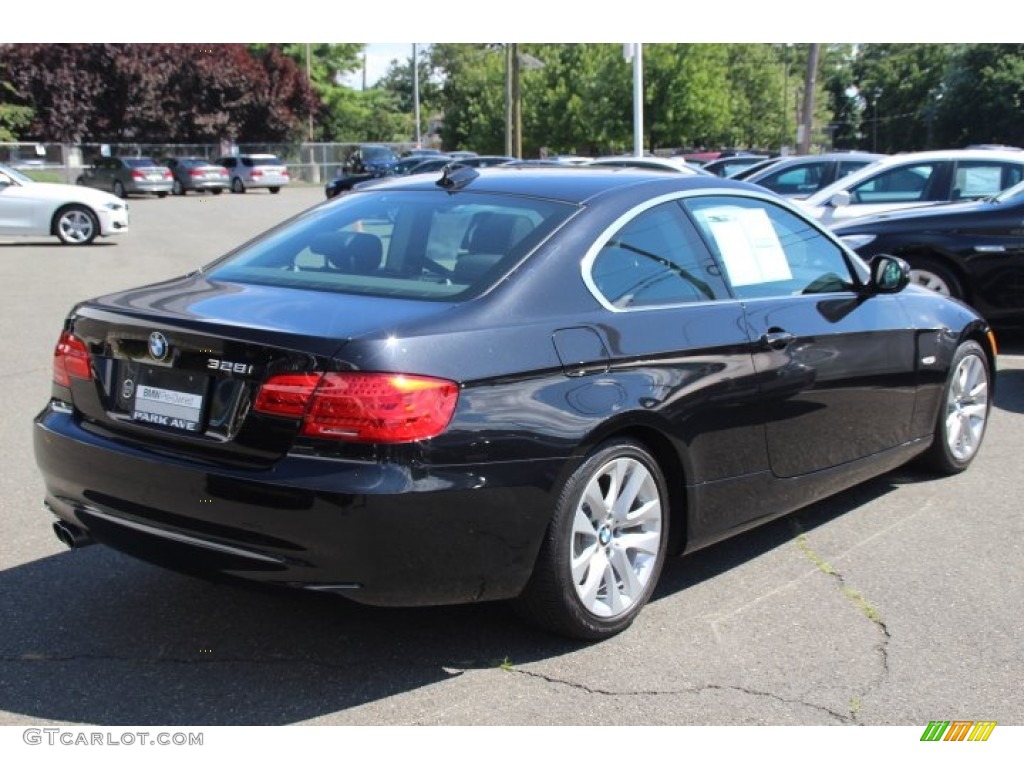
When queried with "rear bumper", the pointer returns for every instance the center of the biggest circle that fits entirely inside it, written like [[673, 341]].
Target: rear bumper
[[378, 533], [149, 187], [266, 182]]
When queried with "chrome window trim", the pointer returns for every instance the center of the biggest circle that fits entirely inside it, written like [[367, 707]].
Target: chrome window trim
[[587, 262]]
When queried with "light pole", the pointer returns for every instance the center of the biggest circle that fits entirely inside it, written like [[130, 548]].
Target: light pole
[[416, 96]]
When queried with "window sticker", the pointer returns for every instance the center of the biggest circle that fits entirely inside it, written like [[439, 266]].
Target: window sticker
[[748, 244]]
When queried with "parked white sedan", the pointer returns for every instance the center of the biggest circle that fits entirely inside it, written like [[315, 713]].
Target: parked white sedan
[[75, 215]]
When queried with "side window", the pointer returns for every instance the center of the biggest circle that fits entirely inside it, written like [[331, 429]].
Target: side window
[[978, 178], [846, 167], [907, 184], [656, 259], [802, 180], [247, 162], [767, 250], [229, 162]]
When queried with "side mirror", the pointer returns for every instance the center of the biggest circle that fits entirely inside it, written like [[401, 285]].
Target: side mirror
[[4, 183], [839, 199], [889, 274]]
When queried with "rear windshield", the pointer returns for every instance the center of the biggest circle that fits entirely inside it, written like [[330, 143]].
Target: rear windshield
[[251, 161], [140, 162], [420, 245]]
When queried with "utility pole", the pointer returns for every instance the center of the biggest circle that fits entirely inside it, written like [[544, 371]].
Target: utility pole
[[309, 79], [416, 96], [810, 82], [508, 98], [517, 105], [638, 99]]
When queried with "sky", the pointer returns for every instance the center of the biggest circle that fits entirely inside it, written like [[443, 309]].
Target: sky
[[461, 21], [378, 58]]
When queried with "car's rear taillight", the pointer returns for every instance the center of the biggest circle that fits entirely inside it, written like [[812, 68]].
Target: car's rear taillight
[[284, 171], [257, 173], [195, 172], [362, 407], [138, 175], [70, 360], [168, 175]]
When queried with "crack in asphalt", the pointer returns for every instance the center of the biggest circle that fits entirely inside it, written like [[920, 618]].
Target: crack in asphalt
[[688, 690], [862, 604]]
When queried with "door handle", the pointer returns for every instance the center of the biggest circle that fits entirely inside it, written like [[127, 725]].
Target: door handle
[[777, 339]]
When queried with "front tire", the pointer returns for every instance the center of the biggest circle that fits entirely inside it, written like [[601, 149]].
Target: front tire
[[177, 188], [237, 186], [963, 414], [604, 548], [119, 190], [76, 225]]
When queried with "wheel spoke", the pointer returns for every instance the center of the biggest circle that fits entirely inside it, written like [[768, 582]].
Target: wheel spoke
[[631, 585], [582, 561], [643, 541], [592, 497], [596, 576], [976, 411], [624, 502], [953, 425]]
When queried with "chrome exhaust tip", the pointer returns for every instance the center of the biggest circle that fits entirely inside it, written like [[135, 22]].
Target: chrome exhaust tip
[[70, 536]]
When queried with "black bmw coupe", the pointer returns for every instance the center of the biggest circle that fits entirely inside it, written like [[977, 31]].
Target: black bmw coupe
[[525, 383]]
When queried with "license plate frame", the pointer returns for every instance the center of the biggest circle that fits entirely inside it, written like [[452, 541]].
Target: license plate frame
[[176, 402]]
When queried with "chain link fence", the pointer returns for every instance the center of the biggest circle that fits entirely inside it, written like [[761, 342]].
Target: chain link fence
[[311, 162]]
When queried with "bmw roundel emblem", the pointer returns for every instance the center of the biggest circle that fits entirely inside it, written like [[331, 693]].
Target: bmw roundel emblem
[[158, 346]]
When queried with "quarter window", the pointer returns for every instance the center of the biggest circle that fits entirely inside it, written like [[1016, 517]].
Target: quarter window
[[656, 259], [767, 250]]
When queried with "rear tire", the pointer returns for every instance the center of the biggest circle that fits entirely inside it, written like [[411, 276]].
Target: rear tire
[[119, 190], [935, 276], [963, 413], [604, 548], [161, 195], [217, 190], [274, 190]]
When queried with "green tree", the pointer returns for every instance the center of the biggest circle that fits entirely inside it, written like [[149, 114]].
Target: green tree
[[473, 95], [900, 84], [13, 116], [983, 96]]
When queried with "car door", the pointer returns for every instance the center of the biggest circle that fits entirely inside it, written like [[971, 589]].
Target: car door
[[909, 185], [19, 208], [836, 367]]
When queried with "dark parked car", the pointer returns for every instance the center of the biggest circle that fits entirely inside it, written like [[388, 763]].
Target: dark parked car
[[407, 166], [371, 160], [484, 161], [123, 176], [532, 384], [197, 174], [727, 166], [972, 251], [802, 176]]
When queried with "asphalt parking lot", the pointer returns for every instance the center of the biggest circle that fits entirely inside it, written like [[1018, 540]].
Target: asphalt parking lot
[[896, 603]]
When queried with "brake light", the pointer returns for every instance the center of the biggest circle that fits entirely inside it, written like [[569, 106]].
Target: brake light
[[287, 394], [362, 407], [138, 175], [284, 171], [167, 175], [70, 360], [196, 172], [257, 173]]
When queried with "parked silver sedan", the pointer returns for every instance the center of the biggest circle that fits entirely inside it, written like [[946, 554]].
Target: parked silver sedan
[[197, 174], [125, 176]]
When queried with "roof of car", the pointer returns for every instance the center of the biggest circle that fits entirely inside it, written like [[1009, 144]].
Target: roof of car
[[819, 197], [575, 184]]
